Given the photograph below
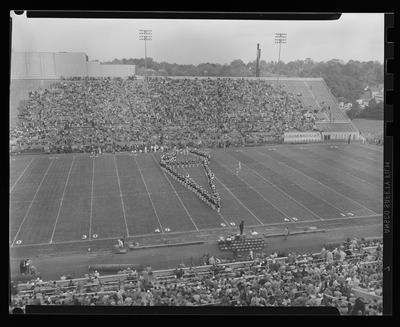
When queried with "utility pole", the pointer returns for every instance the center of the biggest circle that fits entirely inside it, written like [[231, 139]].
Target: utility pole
[[145, 35], [279, 38], [258, 60]]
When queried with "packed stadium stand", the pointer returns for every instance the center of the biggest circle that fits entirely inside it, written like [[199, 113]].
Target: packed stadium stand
[[85, 113], [343, 276], [31, 71]]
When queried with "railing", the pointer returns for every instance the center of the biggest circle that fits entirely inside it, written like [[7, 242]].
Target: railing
[[198, 269]]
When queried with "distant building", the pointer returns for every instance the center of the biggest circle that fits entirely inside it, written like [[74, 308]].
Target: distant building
[[377, 93], [54, 65], [345, 106], [371, 92], [378, 97]]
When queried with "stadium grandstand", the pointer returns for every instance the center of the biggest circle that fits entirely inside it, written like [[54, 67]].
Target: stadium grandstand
[[31, 71], [120, 157], [55, 111], [346, 276]]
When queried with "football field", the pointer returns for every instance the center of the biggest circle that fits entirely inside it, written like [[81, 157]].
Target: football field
[[59, 198]]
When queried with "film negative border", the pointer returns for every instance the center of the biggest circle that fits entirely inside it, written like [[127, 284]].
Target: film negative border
[[389, 57]]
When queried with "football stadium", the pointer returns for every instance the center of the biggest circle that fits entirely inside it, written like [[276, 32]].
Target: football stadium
[[188, 191]]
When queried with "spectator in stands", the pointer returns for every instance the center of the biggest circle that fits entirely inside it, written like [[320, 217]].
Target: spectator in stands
[[300, 279], [358, 307], [113, 114]]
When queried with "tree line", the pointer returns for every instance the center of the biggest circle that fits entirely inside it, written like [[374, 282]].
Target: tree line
[[346, 80]]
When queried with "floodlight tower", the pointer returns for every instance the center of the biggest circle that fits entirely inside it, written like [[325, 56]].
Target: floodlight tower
[[145, 35], [280, 38]]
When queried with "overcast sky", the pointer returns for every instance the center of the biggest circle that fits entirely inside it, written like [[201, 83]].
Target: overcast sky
[[353, 36]]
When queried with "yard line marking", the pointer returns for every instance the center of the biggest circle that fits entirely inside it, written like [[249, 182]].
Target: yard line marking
[[62, 200], [148, 194], [359, 178], [346, 172], [122, 199], [34, 197], [283, 192], [372, 150], [240, 202], [367, 155], [23, 172], [202, 230], [319, 183], [91, 203], [256, 191], [176, 193]]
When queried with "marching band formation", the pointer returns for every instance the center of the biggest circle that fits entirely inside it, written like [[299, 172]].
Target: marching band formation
[[169, 163]]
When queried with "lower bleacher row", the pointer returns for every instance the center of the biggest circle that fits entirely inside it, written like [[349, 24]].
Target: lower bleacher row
[[204, 281]]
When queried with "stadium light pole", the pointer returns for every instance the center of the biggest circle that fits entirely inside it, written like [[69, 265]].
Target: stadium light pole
[[145, 35], [280, 38]]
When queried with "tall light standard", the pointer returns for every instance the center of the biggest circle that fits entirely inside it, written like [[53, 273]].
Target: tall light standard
[[257, 70], [280, 38], [145, 35]]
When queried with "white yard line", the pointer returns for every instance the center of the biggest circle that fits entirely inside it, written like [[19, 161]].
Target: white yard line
[[368, 156], [347, 173], [240, 202], [176, 193], [326, 186], [373, 151], [194, 231], [23, 172], [255, 191], [91, 203], [148, 194], [34, 197], [360, 179], [62, 200], [284, 193], [122, 199]]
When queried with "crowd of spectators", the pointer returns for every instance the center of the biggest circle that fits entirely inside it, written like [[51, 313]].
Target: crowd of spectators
[[115, 114], [329, 278]]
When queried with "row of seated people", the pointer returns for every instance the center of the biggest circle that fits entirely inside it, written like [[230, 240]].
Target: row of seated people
[[269, 280], [117, 114]]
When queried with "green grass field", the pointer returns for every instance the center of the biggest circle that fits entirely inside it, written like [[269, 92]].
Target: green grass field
[[56, 199], [369, 126]]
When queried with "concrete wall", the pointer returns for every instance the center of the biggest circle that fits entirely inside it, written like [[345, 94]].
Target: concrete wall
[[54, 65], [47, 65], [96, 69], [70, 64], [300, 137], [342, 135], [31, 71]]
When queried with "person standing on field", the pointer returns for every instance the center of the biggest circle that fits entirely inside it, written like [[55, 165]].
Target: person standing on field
[[241, 227], [286, 233]]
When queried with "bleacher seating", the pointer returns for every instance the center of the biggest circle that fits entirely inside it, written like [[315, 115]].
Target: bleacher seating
[[336, 127], [242, 244], [360, 276], [117, 115]]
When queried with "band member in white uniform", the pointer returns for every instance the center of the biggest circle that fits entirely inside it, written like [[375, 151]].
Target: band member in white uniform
[[239, 168]]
